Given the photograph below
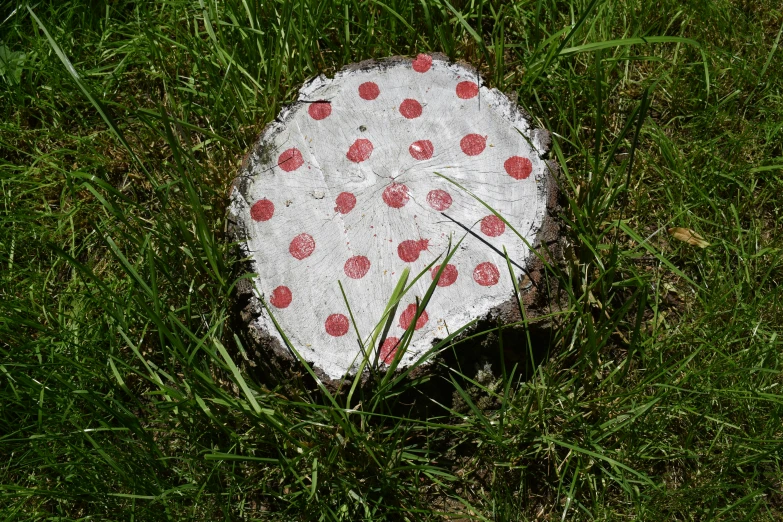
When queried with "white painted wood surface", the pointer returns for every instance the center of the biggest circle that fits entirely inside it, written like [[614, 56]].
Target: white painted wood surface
[[343, 186]]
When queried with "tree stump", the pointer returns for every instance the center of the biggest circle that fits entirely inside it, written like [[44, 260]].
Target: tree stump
[[383, 167]]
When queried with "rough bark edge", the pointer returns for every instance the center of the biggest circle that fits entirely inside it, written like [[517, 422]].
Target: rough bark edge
[[541, 295]]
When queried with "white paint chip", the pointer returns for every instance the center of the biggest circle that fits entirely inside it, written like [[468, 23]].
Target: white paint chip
[[344, 186]]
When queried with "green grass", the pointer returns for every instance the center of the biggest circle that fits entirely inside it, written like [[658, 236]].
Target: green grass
[[124, 395]]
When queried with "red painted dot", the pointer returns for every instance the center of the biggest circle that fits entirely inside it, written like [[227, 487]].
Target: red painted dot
[[473, 144], [290, 160], [467, 90], [262, 210], [407, 317], [410, 249], [319, 110], [360, 150], [369, 91], [395, 195], [486, 274], [389, 349], [492, 226], [302, 246], [336, 325], [344, 202], [438, 199], [410, 108], [518, 167], [421, 150], [447, 277], [356, 267], [422, 63], [281, 297]]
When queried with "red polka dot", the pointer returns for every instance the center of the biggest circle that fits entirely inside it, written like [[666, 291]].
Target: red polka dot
[[344, 202], [473, 144], [336, 325], [410, 108], [262, 210], [281, 297], [360, 150], [319, 110], [410, 249], [438, 199], [422, 63], [486, 274], [492, 226], [389, 349], [447, 277], [467, 90], [407, 317], [356, 267], [369, 91], [290, 160], [302, 246], [395, 195], [518, 167], [421, 150]]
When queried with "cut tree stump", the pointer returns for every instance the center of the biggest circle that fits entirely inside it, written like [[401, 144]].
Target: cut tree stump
[[380, 168]]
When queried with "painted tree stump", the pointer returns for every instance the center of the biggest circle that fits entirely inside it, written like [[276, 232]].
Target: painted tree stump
[[371, 172]]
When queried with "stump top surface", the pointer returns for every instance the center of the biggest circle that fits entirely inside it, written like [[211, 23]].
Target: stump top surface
[[344, 186]]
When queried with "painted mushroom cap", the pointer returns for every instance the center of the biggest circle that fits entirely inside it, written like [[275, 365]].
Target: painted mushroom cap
[[348, 184]]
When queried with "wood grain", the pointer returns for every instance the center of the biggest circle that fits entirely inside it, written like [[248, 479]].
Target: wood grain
[[344, 186]]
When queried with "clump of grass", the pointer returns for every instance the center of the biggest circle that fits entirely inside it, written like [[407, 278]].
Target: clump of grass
[[122, 393]]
